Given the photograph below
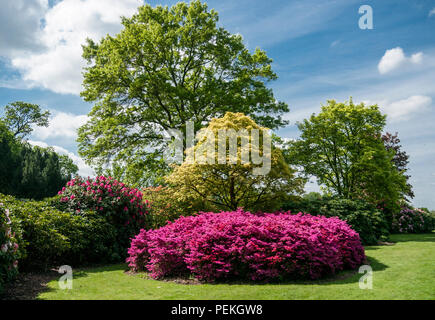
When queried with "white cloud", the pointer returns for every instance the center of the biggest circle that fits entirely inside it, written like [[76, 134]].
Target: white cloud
[[417, 57], [84, 169], [61, 125], [20, 22], [395, 58], [432, 12], [66, 26], [406, 108]]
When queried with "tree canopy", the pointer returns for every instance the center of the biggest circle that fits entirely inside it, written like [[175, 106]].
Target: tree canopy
[[29, 171], [400, 159], [233, 183], [20, 116], [168, 65], [343, 149]]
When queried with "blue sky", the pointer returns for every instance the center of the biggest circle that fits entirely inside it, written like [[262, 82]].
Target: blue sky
[[318, 49]]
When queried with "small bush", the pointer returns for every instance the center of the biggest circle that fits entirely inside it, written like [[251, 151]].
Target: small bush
[[410, 220], [52, 237], [165, 206], [363, 217], [9, 253], [123, 207], [242, 245]]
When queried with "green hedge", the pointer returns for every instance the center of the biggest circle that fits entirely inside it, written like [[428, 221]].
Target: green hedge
[[52, 237], [363, 217]]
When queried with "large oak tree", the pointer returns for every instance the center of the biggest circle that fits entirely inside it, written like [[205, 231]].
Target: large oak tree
[[168, 65]]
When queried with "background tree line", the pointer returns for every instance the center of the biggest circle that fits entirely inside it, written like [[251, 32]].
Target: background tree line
[[28, 171]]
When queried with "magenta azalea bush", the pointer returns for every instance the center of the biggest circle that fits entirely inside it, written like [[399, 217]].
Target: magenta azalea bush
[[123, 207], [410, 220], [242, 245], [8, 248]]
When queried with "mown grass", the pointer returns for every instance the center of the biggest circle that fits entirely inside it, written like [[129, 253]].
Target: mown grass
[[405, 270]]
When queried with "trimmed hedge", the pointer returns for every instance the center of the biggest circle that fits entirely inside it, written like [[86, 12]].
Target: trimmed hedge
[[363, 217], [242, 245]]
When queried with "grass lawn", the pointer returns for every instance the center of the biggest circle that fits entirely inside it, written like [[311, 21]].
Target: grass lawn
[[405, 270]]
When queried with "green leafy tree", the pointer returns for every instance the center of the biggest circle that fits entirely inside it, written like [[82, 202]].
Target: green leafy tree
[[400, 159], [29, 171], [21, 116], [232, 183], [9, 159], [168, 65], [68, 168], [343, 149]]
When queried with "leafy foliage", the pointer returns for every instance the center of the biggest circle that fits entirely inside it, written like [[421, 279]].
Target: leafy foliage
[[168, 66], [20, 116], [123, 207], [30, 171], [400, 159], [9, 253], [52, 237], [364, 218], [234, 184], [343, 149], [165, 205], [242, 245], [409, 220]]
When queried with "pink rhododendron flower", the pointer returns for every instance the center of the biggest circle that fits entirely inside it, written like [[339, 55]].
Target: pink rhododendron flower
[[239, 244]]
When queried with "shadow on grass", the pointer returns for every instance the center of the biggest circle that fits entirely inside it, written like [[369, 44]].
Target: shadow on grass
[[28, 286], [413, 237], [342, 277]]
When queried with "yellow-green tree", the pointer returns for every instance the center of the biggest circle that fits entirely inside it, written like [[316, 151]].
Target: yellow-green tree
[[234, 178]]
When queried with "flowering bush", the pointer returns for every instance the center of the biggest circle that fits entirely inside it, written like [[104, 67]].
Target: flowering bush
[[9, 253], [122, 206], [410, 220], [243, 245]]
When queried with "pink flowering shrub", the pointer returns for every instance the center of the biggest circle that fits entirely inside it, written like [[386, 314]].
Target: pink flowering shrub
[[410, 220], [242, 245], [8, 248], [123, 207]]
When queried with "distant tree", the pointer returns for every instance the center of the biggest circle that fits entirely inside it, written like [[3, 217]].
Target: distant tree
[[29, 171], [20, 116], [400, 159], [68, 168], [342, 148], [9, 159], [168, 66]]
